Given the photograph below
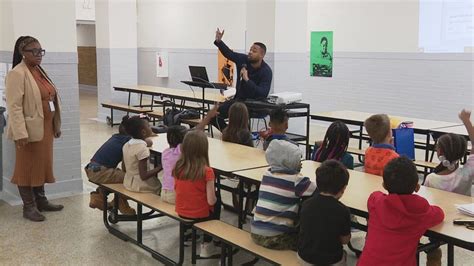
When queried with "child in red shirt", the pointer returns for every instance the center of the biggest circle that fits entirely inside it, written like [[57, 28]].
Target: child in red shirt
[[397, 220], [382, 150], [194, 185]]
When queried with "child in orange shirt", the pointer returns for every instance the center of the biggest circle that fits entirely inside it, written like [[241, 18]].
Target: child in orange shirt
[[382, 150], [194, 185]]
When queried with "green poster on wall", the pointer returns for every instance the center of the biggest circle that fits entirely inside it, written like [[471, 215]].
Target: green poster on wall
[[321, 54]]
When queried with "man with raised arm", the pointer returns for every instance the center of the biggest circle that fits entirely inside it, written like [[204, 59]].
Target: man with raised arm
[[254, 80]]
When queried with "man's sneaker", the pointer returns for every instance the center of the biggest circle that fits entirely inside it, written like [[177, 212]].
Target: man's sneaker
[[208, 250]]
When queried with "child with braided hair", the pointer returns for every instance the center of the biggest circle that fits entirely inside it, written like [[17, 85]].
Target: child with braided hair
[[334, 146]]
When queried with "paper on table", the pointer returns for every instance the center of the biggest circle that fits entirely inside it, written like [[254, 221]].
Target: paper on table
[[467, 209], [229, 93]]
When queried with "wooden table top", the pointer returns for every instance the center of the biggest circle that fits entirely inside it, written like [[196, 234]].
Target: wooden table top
[[359, 118], [460, 130], [361, 185], [210, 95], [224, 156]]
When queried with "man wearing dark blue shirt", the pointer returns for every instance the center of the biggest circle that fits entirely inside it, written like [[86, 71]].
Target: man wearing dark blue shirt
[[255, 76]]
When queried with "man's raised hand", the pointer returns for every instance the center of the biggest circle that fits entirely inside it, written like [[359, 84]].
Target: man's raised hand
[[219, 35]]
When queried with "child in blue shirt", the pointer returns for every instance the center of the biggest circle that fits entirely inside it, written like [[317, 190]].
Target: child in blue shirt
[[278, 126], [102, 169]]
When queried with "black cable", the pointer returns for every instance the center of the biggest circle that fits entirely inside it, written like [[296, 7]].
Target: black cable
[[207, 82]]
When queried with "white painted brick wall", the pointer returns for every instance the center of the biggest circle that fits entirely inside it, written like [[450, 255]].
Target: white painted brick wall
[[430, 86], [420, 85], [115, 67]]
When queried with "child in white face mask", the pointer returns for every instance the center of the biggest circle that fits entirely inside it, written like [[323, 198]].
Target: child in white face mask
[[448, 175]]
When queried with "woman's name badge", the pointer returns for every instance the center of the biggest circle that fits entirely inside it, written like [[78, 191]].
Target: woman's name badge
[[51, 106]]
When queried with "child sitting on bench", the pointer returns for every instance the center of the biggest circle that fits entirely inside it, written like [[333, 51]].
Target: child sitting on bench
[[194, 185], [169, 157], [274, 223], [136, 155], [102, 169]]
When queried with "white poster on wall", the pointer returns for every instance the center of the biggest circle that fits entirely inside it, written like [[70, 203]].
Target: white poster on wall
[[162, 64]]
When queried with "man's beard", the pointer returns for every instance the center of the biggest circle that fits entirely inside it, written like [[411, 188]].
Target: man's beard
[[252, 61]]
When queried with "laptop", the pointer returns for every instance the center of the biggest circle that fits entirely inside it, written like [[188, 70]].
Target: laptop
[[199, 74]]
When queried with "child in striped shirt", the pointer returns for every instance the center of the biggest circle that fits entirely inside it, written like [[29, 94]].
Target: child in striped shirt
[[275, 222]]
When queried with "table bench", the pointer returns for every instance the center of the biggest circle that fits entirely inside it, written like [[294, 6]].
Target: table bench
[[122, 107], [231, 236], [158, 209]]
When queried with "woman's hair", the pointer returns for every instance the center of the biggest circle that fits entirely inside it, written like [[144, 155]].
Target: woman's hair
[[452, 147], [175, 135], [20, 45], [194, 157], [335, 142], [134, 126], [238, 121]]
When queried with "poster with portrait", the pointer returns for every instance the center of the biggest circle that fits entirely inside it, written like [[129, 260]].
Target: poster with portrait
[[225, 70], [162, 64], [321, 54]]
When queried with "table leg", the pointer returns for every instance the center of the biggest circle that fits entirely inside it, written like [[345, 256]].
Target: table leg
[[203, 102], [450, 254], [193, 247], [308, 149], [427, 155], [223, 253], [240, 211], [111, 117], [182, 229], [361, 130], [139, 224], [230, 254]]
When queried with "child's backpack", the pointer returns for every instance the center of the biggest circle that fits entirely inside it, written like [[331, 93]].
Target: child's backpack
[[170, 117], [173, 116]]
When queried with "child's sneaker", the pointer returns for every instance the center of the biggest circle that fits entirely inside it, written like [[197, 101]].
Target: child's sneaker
[[124, 208], [97, 201], [208, 250]]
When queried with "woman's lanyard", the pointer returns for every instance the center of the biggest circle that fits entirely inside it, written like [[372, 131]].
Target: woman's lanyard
[[50, 88]]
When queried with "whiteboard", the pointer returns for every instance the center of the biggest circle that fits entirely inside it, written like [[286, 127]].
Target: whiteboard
[[367, 25], [400, 26]]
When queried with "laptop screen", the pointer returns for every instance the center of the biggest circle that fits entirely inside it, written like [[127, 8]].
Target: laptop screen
[[198, 73]]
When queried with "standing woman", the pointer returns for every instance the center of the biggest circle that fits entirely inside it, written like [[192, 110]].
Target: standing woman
[[33, 122]]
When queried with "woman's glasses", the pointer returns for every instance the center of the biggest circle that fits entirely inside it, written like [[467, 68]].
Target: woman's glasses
[[36, 52]]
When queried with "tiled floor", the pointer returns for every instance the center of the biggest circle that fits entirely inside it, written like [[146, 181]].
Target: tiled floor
[[77, 236]]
